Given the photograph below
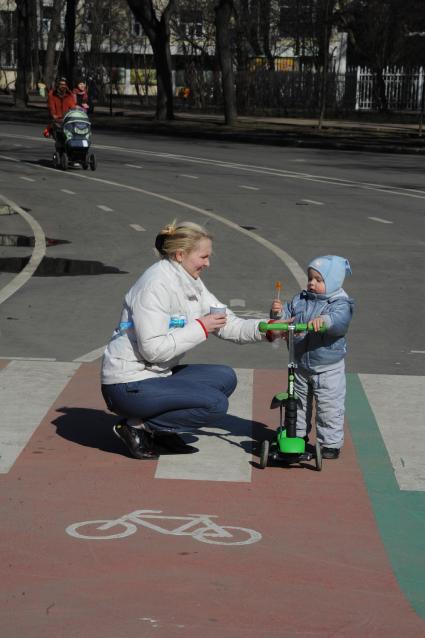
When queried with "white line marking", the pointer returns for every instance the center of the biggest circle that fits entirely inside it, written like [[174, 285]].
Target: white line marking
[[321, 179], [65, 190], [105, 208], [188, 176], [28, 358], [36, 257], [417, 352], [381, 221], [241, 303], [11, 159], [42, 381], [134, 165], [91, 356], [396, 402], [285, 257], [222, 455], [249, 188], [138, 227], [312, 201], [27, 179]]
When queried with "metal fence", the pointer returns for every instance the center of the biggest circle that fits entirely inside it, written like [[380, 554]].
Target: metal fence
[[403, 89]]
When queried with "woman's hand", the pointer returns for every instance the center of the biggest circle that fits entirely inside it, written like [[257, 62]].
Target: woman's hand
[[214, 322], [317, 323]]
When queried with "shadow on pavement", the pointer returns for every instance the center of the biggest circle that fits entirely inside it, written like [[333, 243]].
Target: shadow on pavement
[[93, 428]]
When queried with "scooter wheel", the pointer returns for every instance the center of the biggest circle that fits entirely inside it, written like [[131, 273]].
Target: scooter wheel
[[318, 457], [264, 454]]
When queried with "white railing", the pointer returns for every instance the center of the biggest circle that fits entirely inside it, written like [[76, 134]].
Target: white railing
[[403, 89]]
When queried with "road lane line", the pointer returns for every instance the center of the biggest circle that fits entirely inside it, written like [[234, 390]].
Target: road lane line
[[105, 208], [27, 179], [134, 165], [65, 190], [188, 176], [312, 201], [249, 188], [36, 256], [381, 221], [43, 381], [138, 228], [224, 451], [290, 262], [10, 159], [396, 402]]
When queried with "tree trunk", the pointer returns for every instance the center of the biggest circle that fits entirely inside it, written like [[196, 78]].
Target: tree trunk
[[49, 71], [156, 25], [25, 12], [223, 13], [68, 61]]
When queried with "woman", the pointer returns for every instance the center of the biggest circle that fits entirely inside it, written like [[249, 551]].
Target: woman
[[165, 314], [81, 95]]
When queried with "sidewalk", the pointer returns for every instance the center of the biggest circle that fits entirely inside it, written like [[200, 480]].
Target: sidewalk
[[389, 137]]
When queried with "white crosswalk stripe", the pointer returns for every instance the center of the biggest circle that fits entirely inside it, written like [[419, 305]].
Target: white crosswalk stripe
[[27, 391], [28, 388]]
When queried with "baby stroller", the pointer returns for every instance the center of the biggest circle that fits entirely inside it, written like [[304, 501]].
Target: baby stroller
[[73, 140]]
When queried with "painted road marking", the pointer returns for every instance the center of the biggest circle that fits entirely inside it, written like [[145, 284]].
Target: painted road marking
[[395, 402], [379, 220], [28, 358], [223, 453], [417, 352], [312, 201], [209, 532], [36, 256], [252, 168], [27, 179], [188, 176], [65, 190], [27, 389], [105, 208], [138, 227], [11, 159], [241, 303], [134, 166], [249, 188]]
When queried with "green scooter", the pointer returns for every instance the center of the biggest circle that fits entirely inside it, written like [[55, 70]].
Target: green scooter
[[287, 447]]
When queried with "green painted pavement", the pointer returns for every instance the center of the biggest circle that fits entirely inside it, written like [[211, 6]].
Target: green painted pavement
[[400, 515]]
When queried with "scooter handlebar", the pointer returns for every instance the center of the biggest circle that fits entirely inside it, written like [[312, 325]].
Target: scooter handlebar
[[265, 326]]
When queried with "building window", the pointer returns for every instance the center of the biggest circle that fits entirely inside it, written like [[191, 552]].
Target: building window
[[191, 24]]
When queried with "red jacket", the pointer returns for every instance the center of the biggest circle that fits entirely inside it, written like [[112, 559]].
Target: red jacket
[[58, 105]]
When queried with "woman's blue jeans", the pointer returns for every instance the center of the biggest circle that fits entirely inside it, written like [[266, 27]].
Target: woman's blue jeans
[[193, 396]]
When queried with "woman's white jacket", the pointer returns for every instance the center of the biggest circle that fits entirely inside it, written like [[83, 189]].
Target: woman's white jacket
[[145, 346]]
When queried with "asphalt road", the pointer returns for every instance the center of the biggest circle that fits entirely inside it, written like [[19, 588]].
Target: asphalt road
[[270, 209]]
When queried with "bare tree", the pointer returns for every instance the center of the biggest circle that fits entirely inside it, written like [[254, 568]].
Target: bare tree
[[223, 13], [27, 49], [154, 16], [53, 38]]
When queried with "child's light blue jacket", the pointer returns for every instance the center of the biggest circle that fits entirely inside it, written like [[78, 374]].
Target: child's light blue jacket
[[320, 351]]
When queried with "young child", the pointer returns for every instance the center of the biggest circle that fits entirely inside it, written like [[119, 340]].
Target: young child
[[320, 371]]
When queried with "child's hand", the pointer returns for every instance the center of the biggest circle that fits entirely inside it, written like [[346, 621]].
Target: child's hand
[[276, 308], [317, 323]]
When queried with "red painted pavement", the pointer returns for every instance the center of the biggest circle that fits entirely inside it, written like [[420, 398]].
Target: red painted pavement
[[319, 571]]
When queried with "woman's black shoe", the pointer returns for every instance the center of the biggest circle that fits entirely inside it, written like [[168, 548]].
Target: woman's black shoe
[[138, 442]]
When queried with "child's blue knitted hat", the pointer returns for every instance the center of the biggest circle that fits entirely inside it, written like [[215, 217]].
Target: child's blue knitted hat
[[333, 270]]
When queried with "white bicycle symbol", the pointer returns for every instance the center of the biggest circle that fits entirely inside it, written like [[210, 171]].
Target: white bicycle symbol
[[209, 532]]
